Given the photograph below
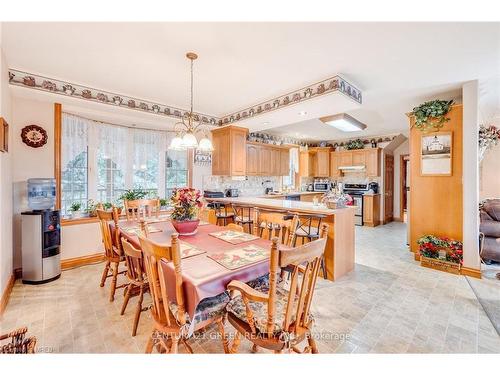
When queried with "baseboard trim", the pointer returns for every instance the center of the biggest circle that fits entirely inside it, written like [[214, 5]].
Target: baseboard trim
[[81, 261], [6, 294], [472, 272]]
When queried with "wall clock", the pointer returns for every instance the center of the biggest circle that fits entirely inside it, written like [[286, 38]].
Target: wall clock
[[34, 136]]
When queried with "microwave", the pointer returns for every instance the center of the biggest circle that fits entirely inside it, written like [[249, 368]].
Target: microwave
[[322, 186]]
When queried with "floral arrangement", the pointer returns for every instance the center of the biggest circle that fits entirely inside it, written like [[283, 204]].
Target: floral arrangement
[[489, 136], [186, 203], [430, 245], [432, 114], [354, 144]]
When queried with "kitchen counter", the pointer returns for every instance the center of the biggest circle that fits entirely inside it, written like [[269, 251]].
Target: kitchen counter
[[339, 251], [281, 195]]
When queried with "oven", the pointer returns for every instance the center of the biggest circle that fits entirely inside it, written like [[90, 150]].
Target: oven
[[356, 191]]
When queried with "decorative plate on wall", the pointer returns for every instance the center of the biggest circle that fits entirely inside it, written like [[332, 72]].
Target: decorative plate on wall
[[34, 136]]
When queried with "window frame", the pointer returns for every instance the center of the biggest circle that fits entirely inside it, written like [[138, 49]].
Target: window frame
[[90, 162]]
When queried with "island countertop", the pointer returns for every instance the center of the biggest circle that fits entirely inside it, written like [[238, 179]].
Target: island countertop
[[339, 251], [280, 204]]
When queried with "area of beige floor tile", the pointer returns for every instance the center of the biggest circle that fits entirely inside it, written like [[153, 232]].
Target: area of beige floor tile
[[388, 304]]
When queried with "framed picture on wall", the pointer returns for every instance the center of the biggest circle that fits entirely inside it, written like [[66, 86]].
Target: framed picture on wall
[[4, 135], [436, 154]]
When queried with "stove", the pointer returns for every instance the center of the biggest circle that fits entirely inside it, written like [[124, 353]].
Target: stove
[[356, 191]]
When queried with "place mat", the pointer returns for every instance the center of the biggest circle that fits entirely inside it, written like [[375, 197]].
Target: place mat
[[188, 250], [233, 237], [241, 257], [136, 230]]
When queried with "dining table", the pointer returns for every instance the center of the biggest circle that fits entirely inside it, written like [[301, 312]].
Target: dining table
[[202, 276]]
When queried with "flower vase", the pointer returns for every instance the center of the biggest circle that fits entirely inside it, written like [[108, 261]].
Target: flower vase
[[186, 227]]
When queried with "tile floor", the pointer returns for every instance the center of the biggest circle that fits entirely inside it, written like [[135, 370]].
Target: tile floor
[[389, 304]]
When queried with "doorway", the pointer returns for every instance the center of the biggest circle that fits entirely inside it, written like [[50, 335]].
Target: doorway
[[404, 186], [389, 188]]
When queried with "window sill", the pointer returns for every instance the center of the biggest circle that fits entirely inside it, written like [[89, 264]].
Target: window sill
[[93, 219]]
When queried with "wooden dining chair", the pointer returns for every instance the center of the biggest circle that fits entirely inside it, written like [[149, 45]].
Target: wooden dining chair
[[171, 323], [272, 316], [235, 227], [270, 223], [138, 283], [113, 252], [15, 342], [142, 208]]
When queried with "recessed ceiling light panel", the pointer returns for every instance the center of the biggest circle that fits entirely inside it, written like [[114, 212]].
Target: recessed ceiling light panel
[[344, 122]]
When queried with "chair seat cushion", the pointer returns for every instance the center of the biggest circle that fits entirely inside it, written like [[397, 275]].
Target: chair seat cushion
[[207, 309], [259, 309]]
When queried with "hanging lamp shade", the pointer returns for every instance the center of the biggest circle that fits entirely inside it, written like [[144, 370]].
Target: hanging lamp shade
[[176, 143], [189, 140], [205, 145]]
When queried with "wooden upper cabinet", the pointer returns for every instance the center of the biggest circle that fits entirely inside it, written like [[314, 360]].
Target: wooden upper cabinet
[[265, 161], [253, 160], [305, 164], [345, 159], [322, 162], [284, 162], [372, 162], [334, 165], [275, 161], [358, 157], [229, 157]]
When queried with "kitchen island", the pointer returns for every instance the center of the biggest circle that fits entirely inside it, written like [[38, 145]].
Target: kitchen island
[[339, 252]]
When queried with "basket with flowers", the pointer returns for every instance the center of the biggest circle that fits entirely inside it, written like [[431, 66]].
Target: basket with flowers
[[186, 203], [440, 253]]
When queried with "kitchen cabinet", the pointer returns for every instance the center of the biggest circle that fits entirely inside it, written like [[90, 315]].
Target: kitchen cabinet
[[229, 157], [310, 197], [368, 157], [284, 169], [253, 160], [321, 161], [358, 157], [345, 159], [372, 162], [334, 165], [371, 210], [265, 161], [306, 164], [275, 161]]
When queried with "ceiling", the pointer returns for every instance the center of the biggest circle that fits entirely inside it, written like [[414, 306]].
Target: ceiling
[[396, 65]]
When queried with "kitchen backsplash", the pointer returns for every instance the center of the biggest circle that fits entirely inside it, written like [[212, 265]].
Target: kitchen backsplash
[[251, 186]]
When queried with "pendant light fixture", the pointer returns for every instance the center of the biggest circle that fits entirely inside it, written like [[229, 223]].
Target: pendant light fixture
[[190, 123]]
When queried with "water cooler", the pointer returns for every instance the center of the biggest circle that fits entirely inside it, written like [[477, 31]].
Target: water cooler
[[41, 234]]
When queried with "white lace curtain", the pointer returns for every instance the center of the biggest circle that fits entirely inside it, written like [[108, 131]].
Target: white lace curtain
[[112, 143], [75, 133], [147, 145]]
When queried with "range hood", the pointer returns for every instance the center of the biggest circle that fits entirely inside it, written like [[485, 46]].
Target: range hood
[[352, 168]]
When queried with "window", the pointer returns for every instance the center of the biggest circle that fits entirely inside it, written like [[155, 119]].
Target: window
[[100, 161], [176, 170]]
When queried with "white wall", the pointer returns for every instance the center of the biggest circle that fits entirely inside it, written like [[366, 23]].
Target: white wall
[[470, 176], [6, 252], [403, 149]]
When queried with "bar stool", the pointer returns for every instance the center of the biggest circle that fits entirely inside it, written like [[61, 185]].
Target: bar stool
[[307, 228], [243, 216], [222, 214]]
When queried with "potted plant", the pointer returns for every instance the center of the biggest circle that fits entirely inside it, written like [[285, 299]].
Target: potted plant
[[92, 207], [489, 136], [75, 209], [354, 144], [440, 253], [133, 194], [163, 203], [432, 115], [186, 203]]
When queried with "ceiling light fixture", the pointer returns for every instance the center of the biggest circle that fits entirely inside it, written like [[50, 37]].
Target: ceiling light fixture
[[343, 122], [190, 124], [302, 113]]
